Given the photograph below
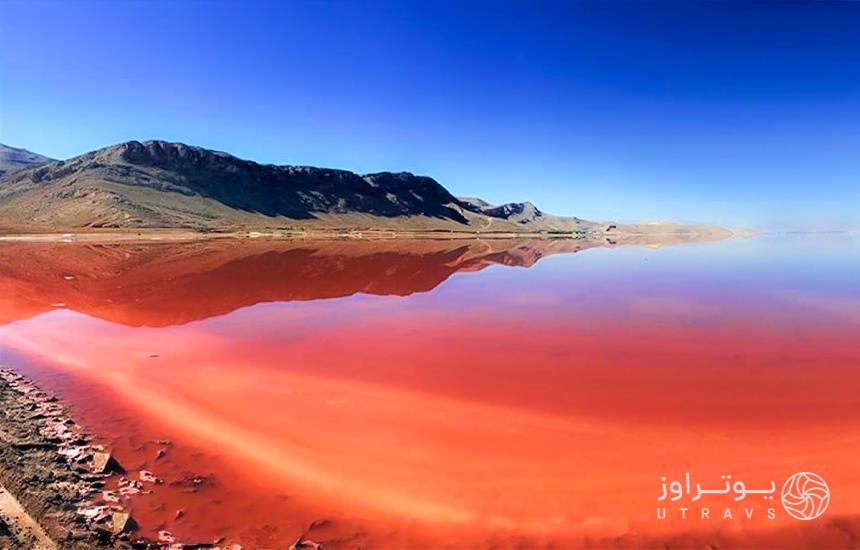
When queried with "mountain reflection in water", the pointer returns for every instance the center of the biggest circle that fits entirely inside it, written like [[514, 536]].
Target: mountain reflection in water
[[159, 285], [326, 391]]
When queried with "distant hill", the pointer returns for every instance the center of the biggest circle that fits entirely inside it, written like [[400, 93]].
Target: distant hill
[[12, 159], [156, 184]]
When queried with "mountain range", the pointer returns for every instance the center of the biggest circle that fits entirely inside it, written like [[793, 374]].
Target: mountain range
[[160, 185]]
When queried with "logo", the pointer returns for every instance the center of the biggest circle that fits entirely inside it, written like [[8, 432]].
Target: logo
[[805, 496]]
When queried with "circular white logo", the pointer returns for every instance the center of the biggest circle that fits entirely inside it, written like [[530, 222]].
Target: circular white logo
[[805, 495]]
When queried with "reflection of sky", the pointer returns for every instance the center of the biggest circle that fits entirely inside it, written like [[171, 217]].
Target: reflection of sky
[[766, 302], [804, 276], [510, 393]]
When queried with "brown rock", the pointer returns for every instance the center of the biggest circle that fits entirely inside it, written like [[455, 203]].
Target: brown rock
[[122, 522], [104, 463]]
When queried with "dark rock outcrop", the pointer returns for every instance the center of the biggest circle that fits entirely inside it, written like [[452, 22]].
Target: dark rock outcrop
[[156, 184], [296, 192]]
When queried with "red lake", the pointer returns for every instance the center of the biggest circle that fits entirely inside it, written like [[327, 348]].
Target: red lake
[[390, 394]]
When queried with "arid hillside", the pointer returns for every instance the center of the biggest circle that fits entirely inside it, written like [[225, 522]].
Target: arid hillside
[[171, 185], [153, 185], [13, 159]]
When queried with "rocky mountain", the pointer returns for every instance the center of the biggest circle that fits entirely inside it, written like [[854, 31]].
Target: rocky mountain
[[156, 184], [523, 213], [12, 159], [137, 186]]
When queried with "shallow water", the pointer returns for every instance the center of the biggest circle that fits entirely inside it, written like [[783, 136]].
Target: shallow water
[[456, 393]]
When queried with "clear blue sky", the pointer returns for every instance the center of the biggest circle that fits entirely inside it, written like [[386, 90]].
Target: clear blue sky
[[741, 114]]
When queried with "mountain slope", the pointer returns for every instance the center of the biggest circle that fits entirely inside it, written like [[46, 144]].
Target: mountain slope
[[156, 184], [13, 158], [525, 214]]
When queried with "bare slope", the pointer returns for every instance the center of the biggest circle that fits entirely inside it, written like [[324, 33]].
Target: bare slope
[[170, 185], [137, 186], [12, 159]]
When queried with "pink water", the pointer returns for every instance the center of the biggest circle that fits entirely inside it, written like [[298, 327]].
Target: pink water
[[431, 394]]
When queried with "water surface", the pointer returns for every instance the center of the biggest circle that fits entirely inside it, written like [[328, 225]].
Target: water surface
[[460, 393]]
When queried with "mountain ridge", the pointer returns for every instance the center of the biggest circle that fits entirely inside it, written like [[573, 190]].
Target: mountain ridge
[[157, 184], [16, 158]]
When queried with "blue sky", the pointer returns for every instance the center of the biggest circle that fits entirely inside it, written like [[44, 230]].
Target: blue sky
[[740, 114]]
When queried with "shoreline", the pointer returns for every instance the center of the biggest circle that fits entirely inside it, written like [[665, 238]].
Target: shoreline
[[57, 489], [183, 235], [37, 468]]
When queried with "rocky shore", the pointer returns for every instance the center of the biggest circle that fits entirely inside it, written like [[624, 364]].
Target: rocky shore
[[58, 490], [41, 465]]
